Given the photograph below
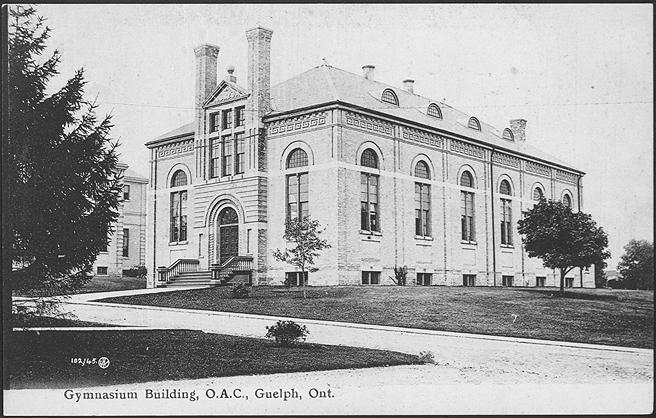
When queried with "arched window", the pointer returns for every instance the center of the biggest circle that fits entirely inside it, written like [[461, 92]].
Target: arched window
[[297, 186], [178, 208], [369, 220], [507, 134], [506, 213], [466, 179], [537, 193], [390, 97], [369, 158], [474, 123], [434, 111], [422, 201], [467, 208], [179, 179], [504, 187], [228, 216], [567, 201], [297, 158], [421, 170]]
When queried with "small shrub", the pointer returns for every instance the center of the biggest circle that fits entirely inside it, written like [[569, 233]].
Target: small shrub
[[136, 271], [427, 357], [240, 291], [400, 275], [287, 332]]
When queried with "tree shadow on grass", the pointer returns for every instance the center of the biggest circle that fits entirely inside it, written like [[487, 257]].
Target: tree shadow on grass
[[555, 293]]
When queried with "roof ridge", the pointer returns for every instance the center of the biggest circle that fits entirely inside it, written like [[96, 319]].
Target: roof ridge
[[331, 84]]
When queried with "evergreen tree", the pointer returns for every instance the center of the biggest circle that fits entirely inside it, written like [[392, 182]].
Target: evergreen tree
[[561, 238], [61, 185]]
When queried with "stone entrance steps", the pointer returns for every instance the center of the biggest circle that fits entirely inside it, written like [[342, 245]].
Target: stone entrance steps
[[192, 279]]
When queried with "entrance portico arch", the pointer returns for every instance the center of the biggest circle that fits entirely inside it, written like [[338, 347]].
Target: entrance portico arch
[[225, 222]]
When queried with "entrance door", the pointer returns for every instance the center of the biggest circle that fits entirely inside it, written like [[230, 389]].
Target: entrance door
[[228, 234]]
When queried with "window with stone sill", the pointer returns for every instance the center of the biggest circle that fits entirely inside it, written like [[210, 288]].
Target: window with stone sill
[[215, 124], [369, 193], [226, 119], [240, 113]]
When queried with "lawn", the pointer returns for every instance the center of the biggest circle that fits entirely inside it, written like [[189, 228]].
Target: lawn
[[49, 322], [44, 359], [600, 316], [99, 284]]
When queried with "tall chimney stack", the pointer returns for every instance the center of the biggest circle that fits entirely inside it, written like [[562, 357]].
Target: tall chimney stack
[[259, 73], [518, 128], [408, 85], [206, 57], [368, 72]]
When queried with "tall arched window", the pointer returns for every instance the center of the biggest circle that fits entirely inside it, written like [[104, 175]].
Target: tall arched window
[[567, 201], [422, 200], [179, 179], [369, 192], [297, 185], [506, 213], [538, 193], [474, 124], [467, 208], [389, 97], [178, 224], [434, 111]]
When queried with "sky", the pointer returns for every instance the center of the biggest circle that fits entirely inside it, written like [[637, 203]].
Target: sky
[[581, 74]]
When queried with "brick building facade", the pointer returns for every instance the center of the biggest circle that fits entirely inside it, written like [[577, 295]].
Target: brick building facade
[[397, 179], [127, 245]]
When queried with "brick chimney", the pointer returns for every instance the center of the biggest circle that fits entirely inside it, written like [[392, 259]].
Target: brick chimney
[[518, 128], [408, 85], [206, 56], [368, 72], [259, 73]]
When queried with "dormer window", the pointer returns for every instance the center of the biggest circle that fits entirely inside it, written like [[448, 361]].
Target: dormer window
[[434, 111], [474, 124], [507, 134], [390, 97]]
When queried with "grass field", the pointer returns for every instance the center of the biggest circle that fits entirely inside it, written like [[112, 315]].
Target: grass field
[[601, 316], [99, 284], [44, 359]]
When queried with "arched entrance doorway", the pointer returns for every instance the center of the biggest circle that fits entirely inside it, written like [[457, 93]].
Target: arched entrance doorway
[[228, 234]]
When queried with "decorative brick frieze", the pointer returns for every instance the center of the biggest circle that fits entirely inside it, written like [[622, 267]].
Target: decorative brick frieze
[[467, 149], [505, 159], [369, 124], [176, 148], [566, 176], [536, 168], [310, 120], [423, 137]]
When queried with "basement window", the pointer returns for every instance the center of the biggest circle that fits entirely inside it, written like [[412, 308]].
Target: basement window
[[370, 277]]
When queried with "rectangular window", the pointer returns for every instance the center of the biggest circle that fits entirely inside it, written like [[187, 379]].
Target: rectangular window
[[215, 157], [293, 278], [240, 147], [126, 192], [239, 116], [422, 210], [507, 280], [469, 280], [226, 153], [214, 122], [424, 279], [178, 216], [126, 242], [297, 195], [540, 281], [226, 119], [506, 222], [101, 271], [467, 216], [370, 277], [569, 282], [369, 202]]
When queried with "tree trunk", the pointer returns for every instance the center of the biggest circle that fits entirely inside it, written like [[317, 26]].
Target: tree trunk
[[563, 272], [7, 330], [303, 282]]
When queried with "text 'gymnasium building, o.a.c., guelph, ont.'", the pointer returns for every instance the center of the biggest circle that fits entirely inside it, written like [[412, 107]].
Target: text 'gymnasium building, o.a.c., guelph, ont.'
[[396, 179]]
